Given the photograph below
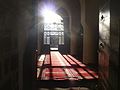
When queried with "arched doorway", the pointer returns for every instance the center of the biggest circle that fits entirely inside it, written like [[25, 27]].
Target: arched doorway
[[53, 30]]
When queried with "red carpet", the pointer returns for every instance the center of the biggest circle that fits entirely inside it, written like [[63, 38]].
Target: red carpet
[[55, 66]]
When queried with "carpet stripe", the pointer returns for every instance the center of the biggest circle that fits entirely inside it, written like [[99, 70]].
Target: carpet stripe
[[55, 66]]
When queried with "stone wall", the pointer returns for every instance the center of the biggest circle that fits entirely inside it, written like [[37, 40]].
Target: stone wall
[[8, 45], [89, 21]]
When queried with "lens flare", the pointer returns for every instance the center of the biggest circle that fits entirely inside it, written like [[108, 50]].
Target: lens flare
[[51, 16]]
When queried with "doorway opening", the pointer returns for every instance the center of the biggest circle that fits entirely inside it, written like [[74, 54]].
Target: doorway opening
[[53, 30]]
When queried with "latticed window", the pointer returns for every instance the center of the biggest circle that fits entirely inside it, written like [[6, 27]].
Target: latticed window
[[54, 30]]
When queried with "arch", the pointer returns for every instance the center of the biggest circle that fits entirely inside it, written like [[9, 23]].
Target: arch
[[66, 18], [53, 30], [62, 12]]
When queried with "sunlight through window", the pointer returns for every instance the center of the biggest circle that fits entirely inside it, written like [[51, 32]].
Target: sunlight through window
[[53, 28], [50, 16]]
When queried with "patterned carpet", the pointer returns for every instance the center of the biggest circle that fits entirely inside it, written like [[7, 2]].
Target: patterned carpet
[[64, 72], [55, 66]]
